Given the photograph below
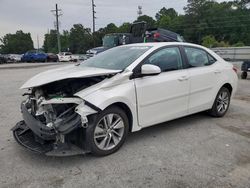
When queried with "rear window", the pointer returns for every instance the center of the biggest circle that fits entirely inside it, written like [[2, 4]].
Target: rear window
[[198, 57]]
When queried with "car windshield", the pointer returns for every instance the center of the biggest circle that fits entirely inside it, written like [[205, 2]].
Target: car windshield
[[116, 58], [110, 41]]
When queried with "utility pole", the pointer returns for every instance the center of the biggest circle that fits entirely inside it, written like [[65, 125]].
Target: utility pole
[[37, 38], [93, 12], [57, 14]]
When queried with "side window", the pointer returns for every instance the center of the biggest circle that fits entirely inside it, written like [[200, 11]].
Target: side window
[[211, 59], [198, 57], [168, 59]]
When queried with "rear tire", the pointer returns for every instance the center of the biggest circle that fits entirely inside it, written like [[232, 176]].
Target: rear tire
[[244, 75], [221, 103], [107, 131]]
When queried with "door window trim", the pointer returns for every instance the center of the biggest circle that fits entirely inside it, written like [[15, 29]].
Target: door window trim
[[137, 69]]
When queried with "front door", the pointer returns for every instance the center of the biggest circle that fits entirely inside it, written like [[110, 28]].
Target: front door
[[165, 96]]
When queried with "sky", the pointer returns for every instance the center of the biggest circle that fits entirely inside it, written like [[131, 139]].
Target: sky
[[35, 16]]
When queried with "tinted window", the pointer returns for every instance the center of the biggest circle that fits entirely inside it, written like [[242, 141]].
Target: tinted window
[[198, 57], [167, 59]]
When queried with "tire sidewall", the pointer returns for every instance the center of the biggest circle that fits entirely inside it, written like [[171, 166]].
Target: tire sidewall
[[214, 109], [244, 75], [94, 119]]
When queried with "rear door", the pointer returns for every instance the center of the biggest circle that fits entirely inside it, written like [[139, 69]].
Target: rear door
[[204, 74]]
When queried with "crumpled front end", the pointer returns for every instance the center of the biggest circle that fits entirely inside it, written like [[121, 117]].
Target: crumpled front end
[[53, 125]]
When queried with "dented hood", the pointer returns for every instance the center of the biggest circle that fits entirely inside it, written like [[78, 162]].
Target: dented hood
[[72, 71]]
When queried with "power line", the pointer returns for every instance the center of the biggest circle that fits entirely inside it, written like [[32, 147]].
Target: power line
[[58, 12]]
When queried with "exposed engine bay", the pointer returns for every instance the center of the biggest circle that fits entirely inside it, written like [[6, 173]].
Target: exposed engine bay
[[52, 113], [68, 87], [47, 102]]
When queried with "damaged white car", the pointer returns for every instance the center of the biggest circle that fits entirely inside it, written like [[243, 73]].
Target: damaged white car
[[92, 106]]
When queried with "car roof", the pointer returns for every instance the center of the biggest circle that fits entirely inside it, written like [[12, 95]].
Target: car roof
[[161, 44]]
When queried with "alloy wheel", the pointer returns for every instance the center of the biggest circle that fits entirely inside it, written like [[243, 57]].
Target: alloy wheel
[[222, 102], [109, 131]]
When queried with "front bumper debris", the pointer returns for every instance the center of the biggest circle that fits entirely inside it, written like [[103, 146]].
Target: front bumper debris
[[26, 138], [66, 139], [47, 133]]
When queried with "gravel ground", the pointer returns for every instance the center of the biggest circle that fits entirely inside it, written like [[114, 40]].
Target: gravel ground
[[196, 151]]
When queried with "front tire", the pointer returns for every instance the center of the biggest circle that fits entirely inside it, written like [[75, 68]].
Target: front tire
[[107, 131], [221, 103]]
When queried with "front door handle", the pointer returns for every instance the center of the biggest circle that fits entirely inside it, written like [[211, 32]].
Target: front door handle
[[183, 78]]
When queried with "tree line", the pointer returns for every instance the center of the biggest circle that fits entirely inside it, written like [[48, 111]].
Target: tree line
[[205, 22]]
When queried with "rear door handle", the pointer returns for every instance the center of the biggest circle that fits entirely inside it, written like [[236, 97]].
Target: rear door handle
[[183, 78], [217, 71]]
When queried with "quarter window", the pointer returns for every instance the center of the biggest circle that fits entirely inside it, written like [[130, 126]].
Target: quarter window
[[168, 59], [198, 57]]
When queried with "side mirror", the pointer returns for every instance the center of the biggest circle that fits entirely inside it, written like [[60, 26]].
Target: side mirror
[[150, 70]]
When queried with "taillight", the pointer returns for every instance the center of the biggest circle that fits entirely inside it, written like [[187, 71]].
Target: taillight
[[235, 70], [157, 35]]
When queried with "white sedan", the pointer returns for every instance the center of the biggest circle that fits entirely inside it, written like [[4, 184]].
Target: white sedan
[[67, 57], [91, 107]]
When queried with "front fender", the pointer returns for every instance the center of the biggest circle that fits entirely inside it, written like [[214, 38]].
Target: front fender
[[123, 93]]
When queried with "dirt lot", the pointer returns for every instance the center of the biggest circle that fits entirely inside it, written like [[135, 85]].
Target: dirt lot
[[196, 151]]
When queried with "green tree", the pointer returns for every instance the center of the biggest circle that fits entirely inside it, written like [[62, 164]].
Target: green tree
[[164, 22], [110, 28], [50, 42], [65, 40], [195, 7], [124, 28], [150, 21], [209, 41], [17, 43], [171, 13], [80, 39]]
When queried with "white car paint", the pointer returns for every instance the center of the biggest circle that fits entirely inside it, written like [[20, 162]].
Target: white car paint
[[151, 99], [162, 98]]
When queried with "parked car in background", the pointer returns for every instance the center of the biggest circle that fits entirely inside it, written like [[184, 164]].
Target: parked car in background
[[2, 59], [82, 57], [13, 58], [67, 57], [52, 57], [162, 35], [34, 56], [245, 68], [92, 106], [94, 51]]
